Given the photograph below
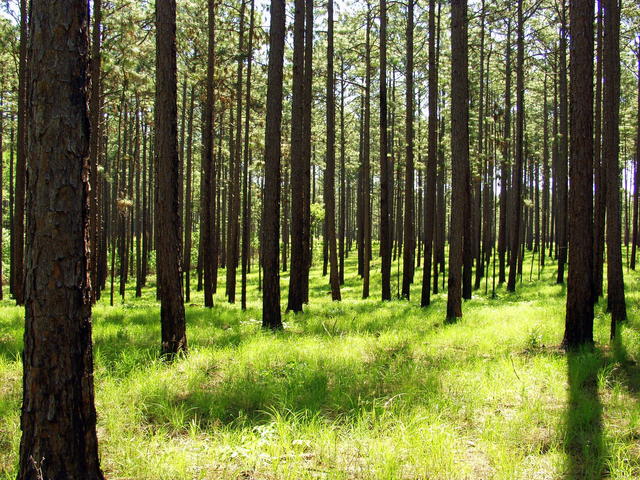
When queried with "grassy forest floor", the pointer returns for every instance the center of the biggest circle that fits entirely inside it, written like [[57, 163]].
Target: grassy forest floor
[[356, 390]]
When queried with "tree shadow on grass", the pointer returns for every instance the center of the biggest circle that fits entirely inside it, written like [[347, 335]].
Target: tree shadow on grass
[[584, 442]]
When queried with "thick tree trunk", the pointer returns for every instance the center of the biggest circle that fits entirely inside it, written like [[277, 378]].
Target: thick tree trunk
[[58, 415], [579, 315], [174, 338]]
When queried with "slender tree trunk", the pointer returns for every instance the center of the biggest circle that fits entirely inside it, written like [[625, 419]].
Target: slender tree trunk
[[94, 147], [174, 338], [307, 237], [600, 175], [385, 194], [342, 229], [208, 240], [58, 415], [188, 215], [18, 217], [246, 220], [409, 217], [516, 191], [432, 163], [563, 151], [330, 174], [366, 170], [636, 179], [298, 254], [459, 153], [610, 144], [505, 168], [271, 315], [234, 201]]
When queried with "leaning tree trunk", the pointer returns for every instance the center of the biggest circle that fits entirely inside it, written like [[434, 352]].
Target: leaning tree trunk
[[58, 415], [172, 317]]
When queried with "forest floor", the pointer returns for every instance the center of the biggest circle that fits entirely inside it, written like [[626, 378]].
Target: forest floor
[[356, 390]]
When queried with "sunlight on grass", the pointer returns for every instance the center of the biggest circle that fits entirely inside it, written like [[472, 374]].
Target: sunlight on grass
[[355, 390]]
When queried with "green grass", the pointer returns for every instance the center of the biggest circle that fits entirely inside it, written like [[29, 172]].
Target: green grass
[[356, 390]]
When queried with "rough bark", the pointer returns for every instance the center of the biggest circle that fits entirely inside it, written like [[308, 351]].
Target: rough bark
[[58, 414], [579, 314], [168, 242], [459, 153], [610, 145], [271, 315]]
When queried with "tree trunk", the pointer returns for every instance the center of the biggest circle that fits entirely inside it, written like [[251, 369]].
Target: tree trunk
[[385, 167], [18, 217], [330, 167], [610, 144], [563, 151], [459, 153], [58, 415], [516, 190], [409, 217], [432, 163], [208, 240], [579, 316], [298, 254], [246, 219], [600, 175], [505, 168], [174, 338], [271, 315], [366, 169], [188, 215], [94, 147]]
